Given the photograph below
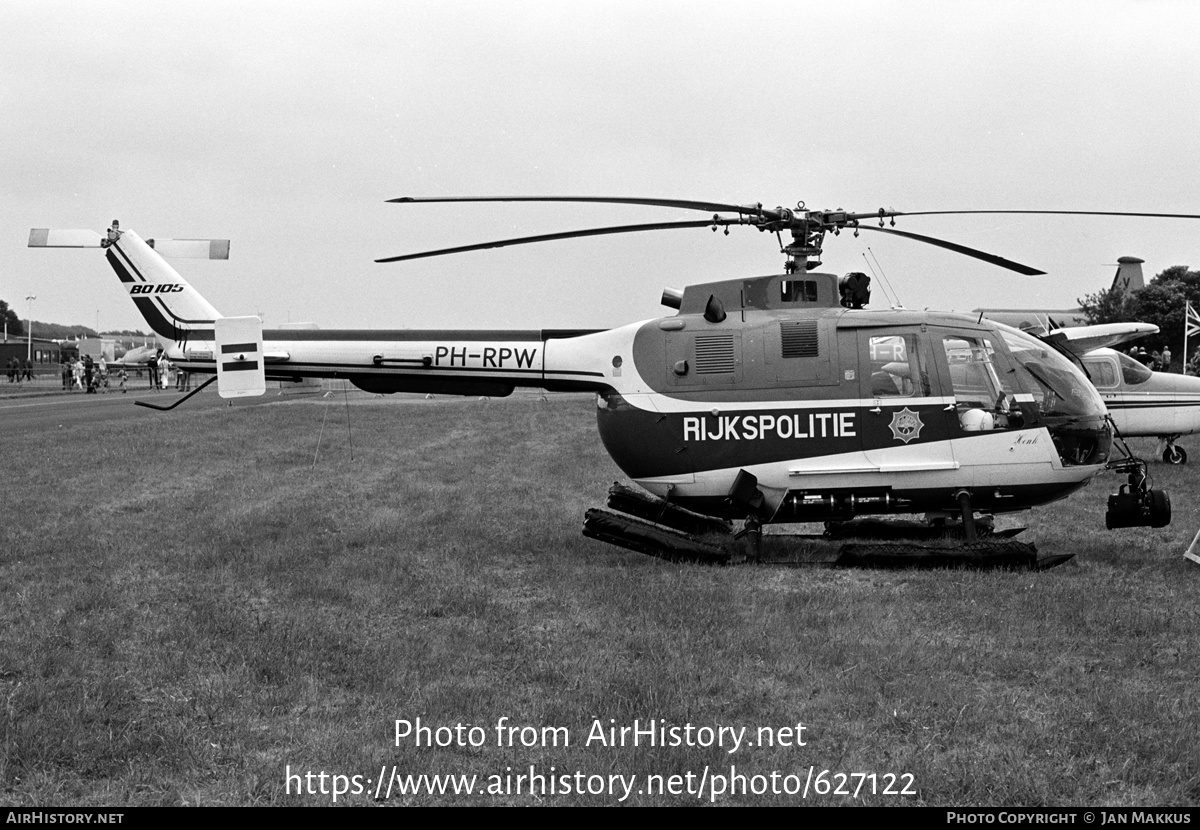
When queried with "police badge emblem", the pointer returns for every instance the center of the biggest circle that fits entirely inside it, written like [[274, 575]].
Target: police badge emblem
[[906, 425]]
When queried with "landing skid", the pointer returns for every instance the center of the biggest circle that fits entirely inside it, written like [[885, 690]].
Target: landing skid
[[923, 531], [656, 528], [985, 554]]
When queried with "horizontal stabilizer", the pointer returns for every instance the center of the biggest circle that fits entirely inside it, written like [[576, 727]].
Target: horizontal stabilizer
[[49, 238], [175, 248], [1081, 339], [191, 248]]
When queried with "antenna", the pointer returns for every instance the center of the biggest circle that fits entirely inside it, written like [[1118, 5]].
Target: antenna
[[349, 434], [885, 279], [879, 281], [324, 417]]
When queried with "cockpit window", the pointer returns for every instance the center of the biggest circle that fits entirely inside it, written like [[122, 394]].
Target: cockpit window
[[1132, 372], [983, 394], [971, 370], [1058, 387]]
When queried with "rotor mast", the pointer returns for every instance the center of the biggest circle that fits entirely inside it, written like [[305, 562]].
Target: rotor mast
[[808, 229], [804, 251]]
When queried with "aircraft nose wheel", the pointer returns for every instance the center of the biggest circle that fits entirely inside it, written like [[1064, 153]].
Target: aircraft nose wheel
[[1174, 455]]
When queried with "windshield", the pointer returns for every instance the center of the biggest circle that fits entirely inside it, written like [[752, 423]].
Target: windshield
[[1058, 387], [1132, 372]]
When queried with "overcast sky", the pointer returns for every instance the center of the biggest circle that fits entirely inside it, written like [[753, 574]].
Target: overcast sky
[[286, 126]]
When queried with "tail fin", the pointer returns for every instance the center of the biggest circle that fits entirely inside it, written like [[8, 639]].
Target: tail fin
[[1129, 275], [172, 308]]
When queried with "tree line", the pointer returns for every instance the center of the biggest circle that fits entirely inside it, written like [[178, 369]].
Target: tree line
[[1161, 302], [9, 318], [54, 331]]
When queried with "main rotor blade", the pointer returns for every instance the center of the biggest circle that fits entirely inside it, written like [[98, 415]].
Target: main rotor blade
[[961, 249], [525, 240], [1048, 213], [709, 207]]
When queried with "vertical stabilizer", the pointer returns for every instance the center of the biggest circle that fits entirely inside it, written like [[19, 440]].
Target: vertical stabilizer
[[1129, 275], [172, 308]]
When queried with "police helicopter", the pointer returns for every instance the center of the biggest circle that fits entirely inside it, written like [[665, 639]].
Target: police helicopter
[[765, 399]]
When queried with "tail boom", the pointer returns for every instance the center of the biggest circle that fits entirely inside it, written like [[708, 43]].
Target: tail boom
[[457, 362]]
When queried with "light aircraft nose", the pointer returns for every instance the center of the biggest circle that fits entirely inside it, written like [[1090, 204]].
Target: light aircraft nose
[[1184, 384], [1178, 398]]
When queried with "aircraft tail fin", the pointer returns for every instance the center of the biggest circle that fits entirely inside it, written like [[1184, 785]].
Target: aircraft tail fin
[[1129, 275], [170, 305]]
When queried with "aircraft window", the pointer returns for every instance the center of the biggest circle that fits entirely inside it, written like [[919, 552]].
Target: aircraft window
[[1057, 386], [1132, 372], [984, 402], [1102, 372], [798, 291], [897, 367]]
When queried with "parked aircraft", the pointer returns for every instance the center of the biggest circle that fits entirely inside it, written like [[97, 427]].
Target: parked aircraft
[[769, 399], [1039, 321], [137, 357], [1144, 403]]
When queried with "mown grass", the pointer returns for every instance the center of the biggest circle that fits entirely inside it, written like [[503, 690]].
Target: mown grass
[[188, 610]]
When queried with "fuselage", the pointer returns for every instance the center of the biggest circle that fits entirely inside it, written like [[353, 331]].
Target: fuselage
[[831, 412], [1144, 403], [761, 396]]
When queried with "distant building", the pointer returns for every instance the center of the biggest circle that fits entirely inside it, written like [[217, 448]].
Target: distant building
[[98, 347], [44, 353]]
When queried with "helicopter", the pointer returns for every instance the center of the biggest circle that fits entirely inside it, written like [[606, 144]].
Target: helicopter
[[764, 399]]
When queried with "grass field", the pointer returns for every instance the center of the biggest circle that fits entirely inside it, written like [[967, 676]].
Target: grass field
[[191, 611]]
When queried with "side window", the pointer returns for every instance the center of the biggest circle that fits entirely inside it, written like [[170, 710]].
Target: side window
[[983, 394], [798, 291], [1102, 372], [896, 367]]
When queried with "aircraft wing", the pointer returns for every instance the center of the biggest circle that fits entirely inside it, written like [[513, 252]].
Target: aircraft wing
[[1081, 339], [137, 357], [1034, 320]]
